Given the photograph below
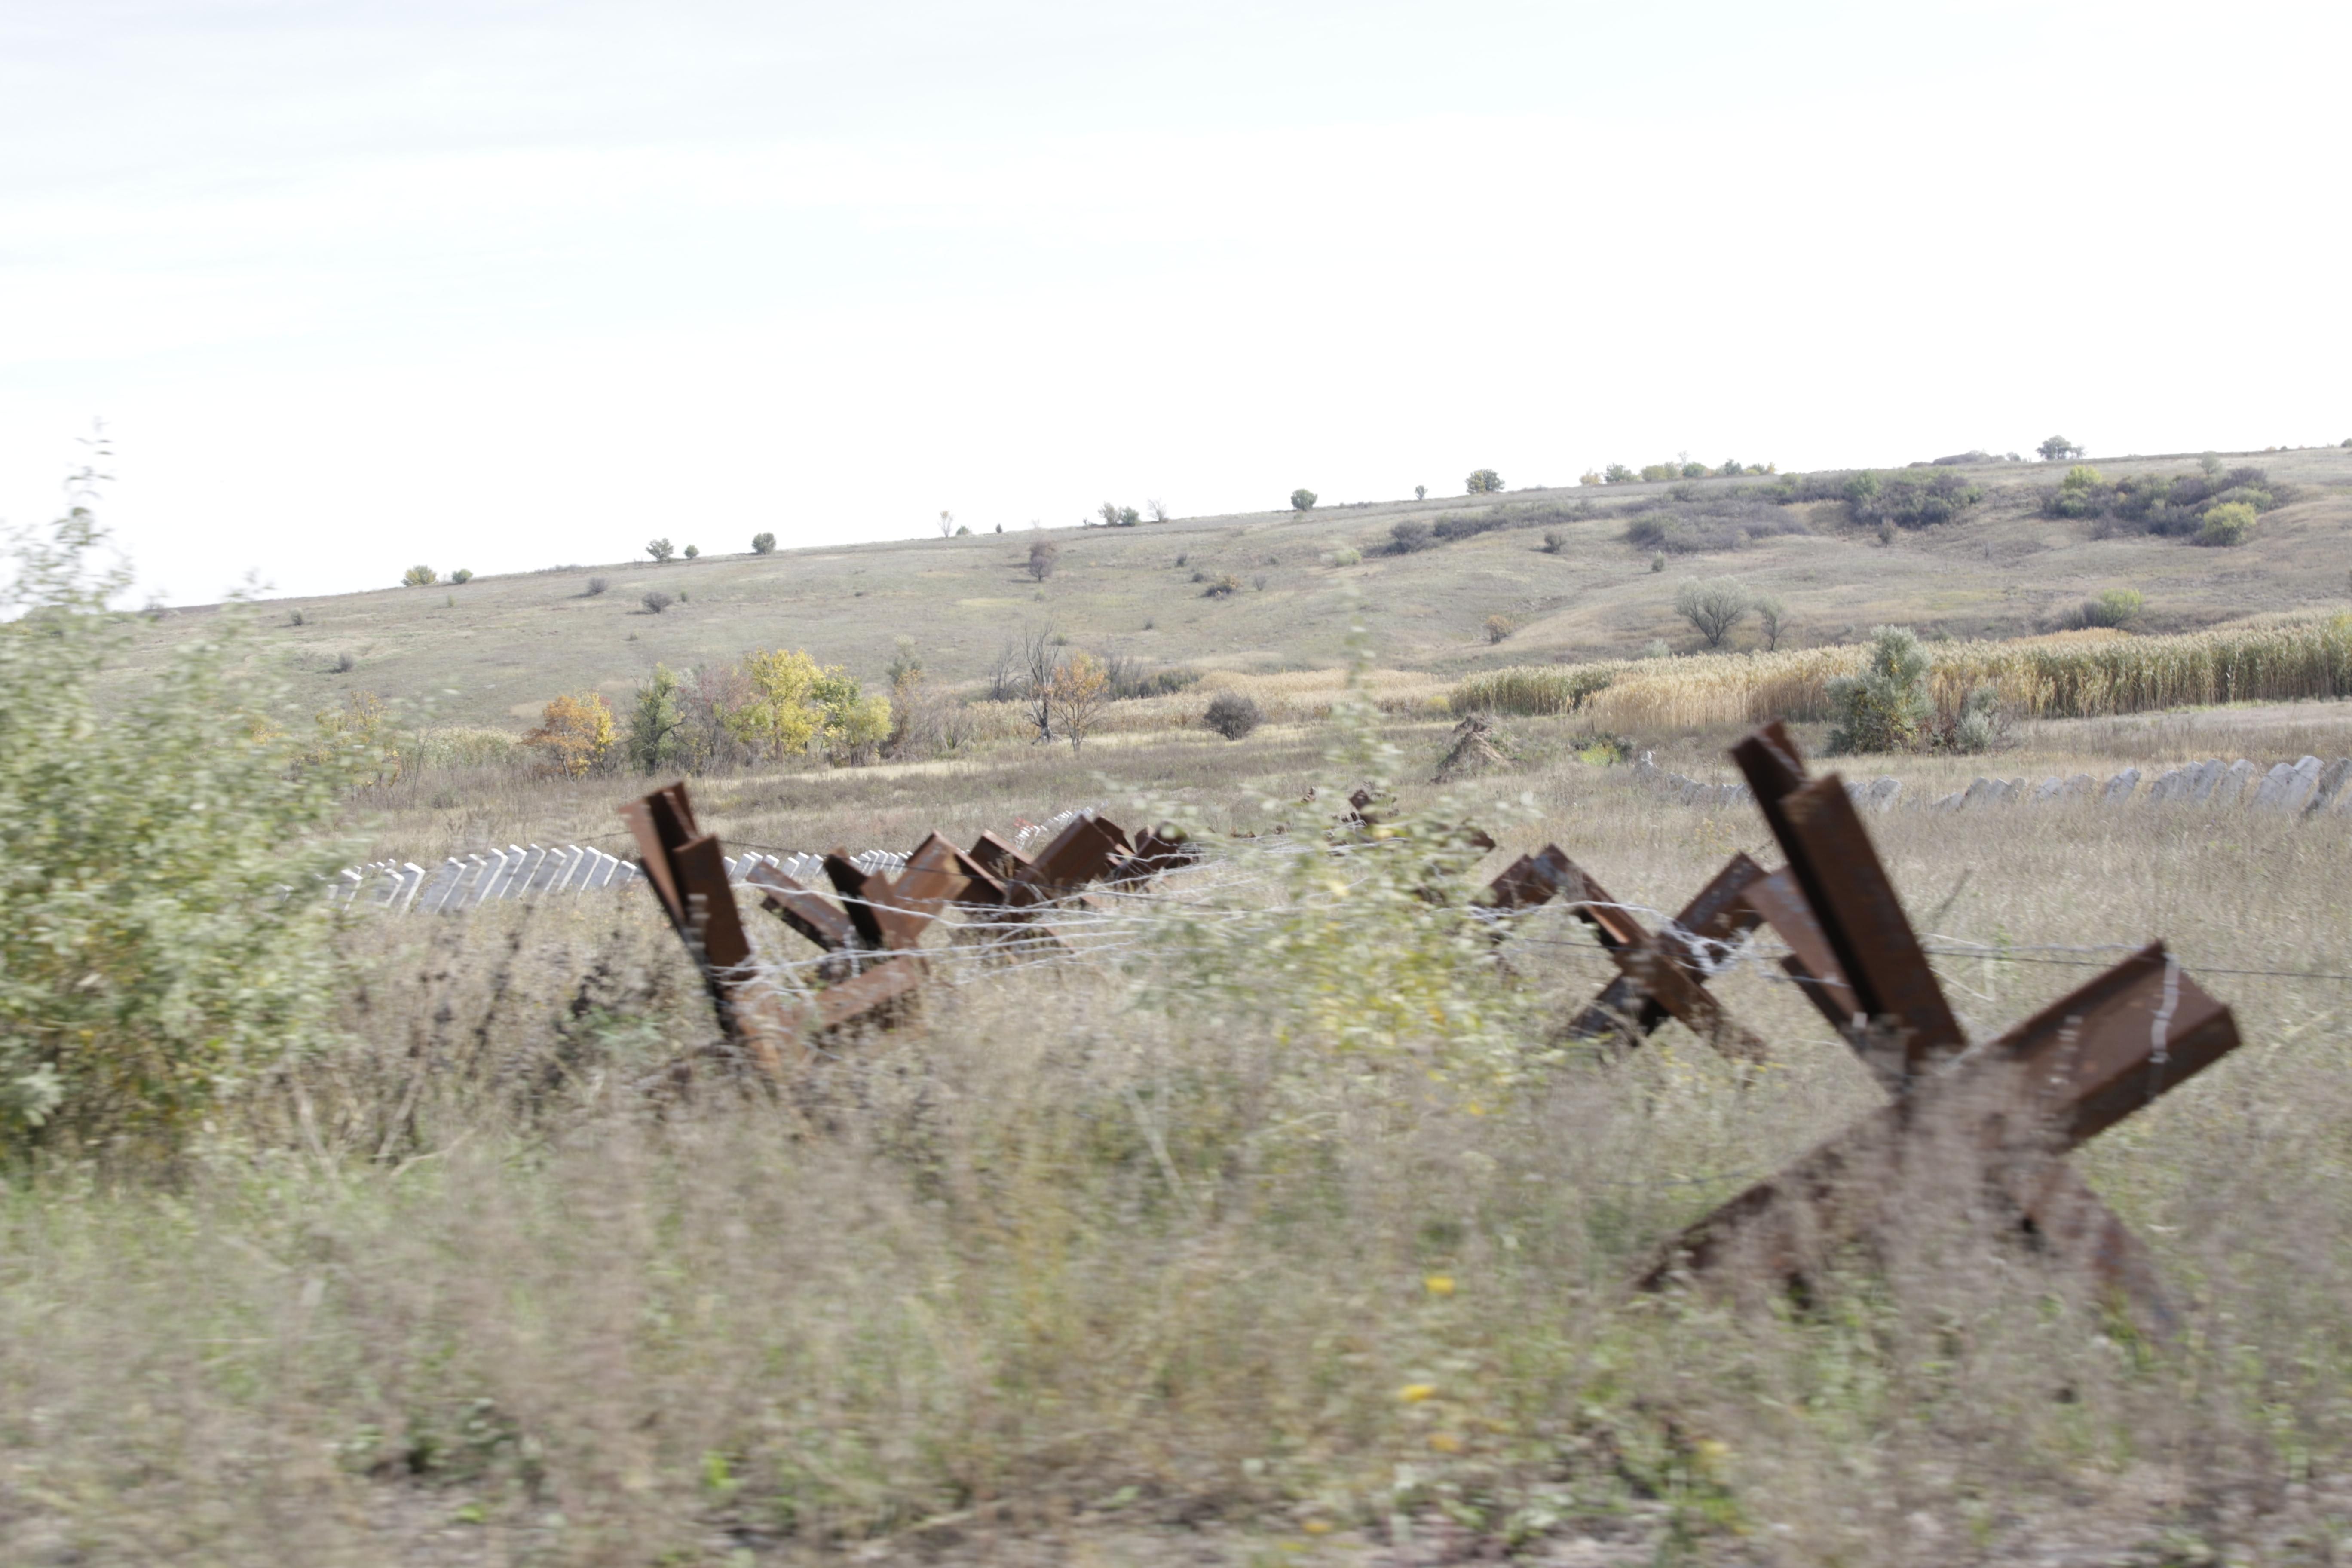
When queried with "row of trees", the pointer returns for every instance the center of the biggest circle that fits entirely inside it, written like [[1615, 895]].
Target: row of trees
[[1681, 468]]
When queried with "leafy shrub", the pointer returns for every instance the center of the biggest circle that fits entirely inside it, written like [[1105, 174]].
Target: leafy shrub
[[1715, 606], [1116, 516], [1446, 529], [1694, 470], [1618, 474], [1233, 714], [1500, 626], [419, 577], [151, 960], [692, 551], [1977, 727], [1723, 521], [2227, 523], [1043, 555], [2116, 607], [963, 531], [1886, 706], [1554, 541], [1302, 500], [1908, 501], [575, 733], [597, 585], [1221, 586], [1657, 648], [2057, 449], [1482, 481], [461, 575], [1658, 562], [1408, 536], [1345, 555], [343, 663], [659, 548], [763, 543], [656, 602], [1659, 473]]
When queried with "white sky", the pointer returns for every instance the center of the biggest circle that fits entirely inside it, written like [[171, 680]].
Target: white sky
[[502, 284]]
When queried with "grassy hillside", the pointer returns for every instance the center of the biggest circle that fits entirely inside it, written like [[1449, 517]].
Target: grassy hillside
[[493, 650]]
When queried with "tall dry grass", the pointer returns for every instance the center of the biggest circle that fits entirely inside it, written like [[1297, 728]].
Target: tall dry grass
[[2074, 678], [1082, 1255]]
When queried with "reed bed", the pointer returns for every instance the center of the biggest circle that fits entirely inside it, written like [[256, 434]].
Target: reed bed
[[2286, 659]]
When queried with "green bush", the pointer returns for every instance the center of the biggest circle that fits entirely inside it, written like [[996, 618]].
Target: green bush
[[1484, 481], [419, 577], [1618, 474], [660, 549], [1302, 500], [692, 551], [2116, 607], [2057, 449], [1886, 706], [765, 543], [461, 575], [2227, 523], [1408, 536], [161, 941]]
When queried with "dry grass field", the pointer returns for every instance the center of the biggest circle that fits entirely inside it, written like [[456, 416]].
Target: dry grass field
[[493, 651], [1142, 1257], [1277, 1223]]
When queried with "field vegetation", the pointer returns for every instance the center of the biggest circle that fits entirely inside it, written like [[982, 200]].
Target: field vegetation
[[1277, 1221]]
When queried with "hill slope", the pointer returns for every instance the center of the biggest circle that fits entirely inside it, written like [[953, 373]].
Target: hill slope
[[493, 650]]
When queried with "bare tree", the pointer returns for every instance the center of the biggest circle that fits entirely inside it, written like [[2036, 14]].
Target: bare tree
[[1713, 607], [1004, 676], [1041, 678], [947, 523], [1159, 511], [1042, 556], [1771, 619]]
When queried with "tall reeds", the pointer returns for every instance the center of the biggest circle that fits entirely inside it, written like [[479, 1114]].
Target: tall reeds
[[2282, 660]]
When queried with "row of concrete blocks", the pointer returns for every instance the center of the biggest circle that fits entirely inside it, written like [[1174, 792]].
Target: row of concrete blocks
[[1870, 795], [2298, 787], [521, 871]]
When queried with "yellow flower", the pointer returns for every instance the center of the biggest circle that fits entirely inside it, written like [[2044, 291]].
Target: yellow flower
[[1439, 1284], [1317, 1527], [1445, 1442], [1415, 1393]]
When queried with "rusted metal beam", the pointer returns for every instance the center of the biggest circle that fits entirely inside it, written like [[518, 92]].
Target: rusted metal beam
[[1716, 917]]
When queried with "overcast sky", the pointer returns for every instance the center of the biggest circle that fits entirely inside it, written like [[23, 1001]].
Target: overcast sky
[[499, 284]]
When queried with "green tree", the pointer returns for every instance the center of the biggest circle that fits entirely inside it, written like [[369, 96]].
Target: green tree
[[1771, 619], [1885, 707], [1484, 481], [660, 549], [763, 545], [2229, 523], [1618, 474], [419, 577], [1303, 499], [656, 719], [160, 845], [2057, 449]]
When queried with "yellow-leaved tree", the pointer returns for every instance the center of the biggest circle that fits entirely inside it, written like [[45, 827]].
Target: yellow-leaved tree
[[575, 733], [796, 703]]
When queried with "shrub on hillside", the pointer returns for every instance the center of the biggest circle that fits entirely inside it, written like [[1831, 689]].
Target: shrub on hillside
[[1499, 628], [1886, 706], [575, 734], [660, 549], [2227, 523], [692, 551], [419, 577], [1043, 555], [1554, 541], [597, 585], [1482, 481], [1976, 728], [1224, 585], [2057, 449], [2117, 608], [461, 575], [1344, 555], [656, 602], [1727, 519], [1908, 501], [1302, 500], [1618, 474], [1408, 536], [763, 543], [1233, 714]]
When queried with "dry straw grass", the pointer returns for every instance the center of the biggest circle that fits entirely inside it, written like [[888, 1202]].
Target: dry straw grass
[[2074, 678]]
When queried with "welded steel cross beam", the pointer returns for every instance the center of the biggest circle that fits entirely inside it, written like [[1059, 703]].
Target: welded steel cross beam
[[1662, 975], [2018, 1103]]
